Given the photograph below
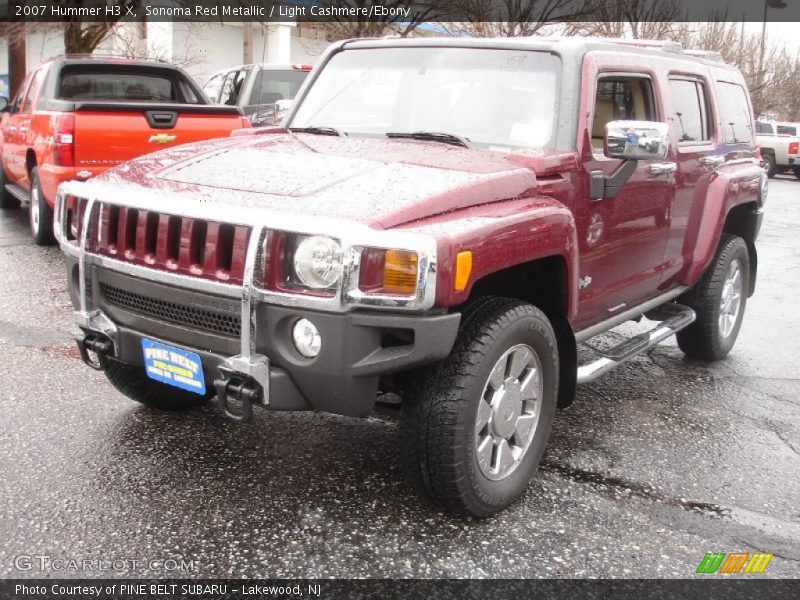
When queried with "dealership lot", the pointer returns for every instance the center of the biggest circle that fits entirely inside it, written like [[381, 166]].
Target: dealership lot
[[656, 464]]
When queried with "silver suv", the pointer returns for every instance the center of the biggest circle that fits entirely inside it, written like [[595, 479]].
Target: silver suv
[[256, 88]]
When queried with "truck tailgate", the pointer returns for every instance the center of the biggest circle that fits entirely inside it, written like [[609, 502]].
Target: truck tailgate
[[107, 134]]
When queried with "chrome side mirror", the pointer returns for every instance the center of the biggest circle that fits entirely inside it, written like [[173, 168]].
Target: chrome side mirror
[[636, 140]]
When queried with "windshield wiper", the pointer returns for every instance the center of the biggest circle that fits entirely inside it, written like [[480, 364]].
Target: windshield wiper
[[433, 136], [317, 130]]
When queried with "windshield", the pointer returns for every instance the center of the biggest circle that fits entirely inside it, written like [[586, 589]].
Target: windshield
[[494, 98]]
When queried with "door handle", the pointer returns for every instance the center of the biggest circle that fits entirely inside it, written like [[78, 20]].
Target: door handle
[[712, 161], [662, 168]]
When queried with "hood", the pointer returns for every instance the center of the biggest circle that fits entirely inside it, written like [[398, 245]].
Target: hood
[[380, 182]]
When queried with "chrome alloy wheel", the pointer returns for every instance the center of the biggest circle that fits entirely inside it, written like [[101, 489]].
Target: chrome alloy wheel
[[731, 300], [508, 412], [35, 209]]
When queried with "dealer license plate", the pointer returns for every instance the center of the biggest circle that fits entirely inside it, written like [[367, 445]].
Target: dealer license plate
[[173, 366]]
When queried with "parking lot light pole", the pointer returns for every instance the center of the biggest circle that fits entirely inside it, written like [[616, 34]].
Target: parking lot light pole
[[776, 4]]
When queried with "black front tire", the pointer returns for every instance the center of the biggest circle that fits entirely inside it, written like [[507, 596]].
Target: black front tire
[[6, 199], [40, 214], [706, 338], [134, 383], [440, 417]]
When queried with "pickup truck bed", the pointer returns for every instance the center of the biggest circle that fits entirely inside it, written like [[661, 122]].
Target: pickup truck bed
[[75, 118]]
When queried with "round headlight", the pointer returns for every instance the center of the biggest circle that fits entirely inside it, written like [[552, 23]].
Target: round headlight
[[318, 261], [306, 338]]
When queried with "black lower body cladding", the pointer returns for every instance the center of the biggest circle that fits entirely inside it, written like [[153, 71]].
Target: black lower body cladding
[[357, 347]]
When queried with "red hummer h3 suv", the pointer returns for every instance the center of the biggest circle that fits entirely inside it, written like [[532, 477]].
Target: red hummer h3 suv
[[443, 219]]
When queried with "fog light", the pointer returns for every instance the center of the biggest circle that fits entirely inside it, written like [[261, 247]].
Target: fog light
[[306, 338]]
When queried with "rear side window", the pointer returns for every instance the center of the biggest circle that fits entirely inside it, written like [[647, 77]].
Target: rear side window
[[787, 130], [734, 111], [212, 88], [116, 85], [271, 86], [33, 89], [691, 110], [232, 87]]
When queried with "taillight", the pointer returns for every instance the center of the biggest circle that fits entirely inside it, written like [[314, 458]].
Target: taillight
[[305, 67], [391, 272], [65, 140], [793, 148]]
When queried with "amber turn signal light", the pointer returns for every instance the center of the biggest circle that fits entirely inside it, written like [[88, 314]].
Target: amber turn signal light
[[388, 272], [400, 272], [463, 270]]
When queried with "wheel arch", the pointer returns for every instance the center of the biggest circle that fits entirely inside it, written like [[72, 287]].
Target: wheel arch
[[744, 220], [543, 282]]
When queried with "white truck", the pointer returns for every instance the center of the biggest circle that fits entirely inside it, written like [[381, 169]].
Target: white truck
[[779, 146]]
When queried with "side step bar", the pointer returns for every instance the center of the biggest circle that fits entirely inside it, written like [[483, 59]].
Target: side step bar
[[19, 193], [676, 316]]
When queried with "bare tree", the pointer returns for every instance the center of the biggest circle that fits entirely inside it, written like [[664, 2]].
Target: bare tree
[[513, 18], [403, 17], [638, 19]]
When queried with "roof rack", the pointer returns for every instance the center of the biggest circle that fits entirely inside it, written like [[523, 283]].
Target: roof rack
[[665, 45], [708, 54], [85, 55]]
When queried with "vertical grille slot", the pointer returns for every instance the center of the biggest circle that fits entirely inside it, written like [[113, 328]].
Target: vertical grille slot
[[151, 234], [174, 238], [198, 245], [130, 223], [225, 247]]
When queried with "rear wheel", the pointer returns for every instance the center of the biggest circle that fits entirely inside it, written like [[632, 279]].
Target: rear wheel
[[796, 171], [41, 215], [6, 199], [769, 165], [719, 301], [132, 381], [476, 428]]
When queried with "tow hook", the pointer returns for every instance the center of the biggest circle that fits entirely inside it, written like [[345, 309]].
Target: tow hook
[[96, 344], [242, 389]]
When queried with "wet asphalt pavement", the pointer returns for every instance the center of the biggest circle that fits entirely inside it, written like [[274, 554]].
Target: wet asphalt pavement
[[656, 464]]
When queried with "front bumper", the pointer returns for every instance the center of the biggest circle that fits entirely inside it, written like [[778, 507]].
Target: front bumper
[[358, 347]]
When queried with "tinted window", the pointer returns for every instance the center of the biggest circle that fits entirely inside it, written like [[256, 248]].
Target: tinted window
[[690, 105], [735, 114], [763, 128], [271, 86], [787, 130], [116, 85]]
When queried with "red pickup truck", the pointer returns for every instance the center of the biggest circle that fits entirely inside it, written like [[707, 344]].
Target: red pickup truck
[[73, 118], [445, 220]]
